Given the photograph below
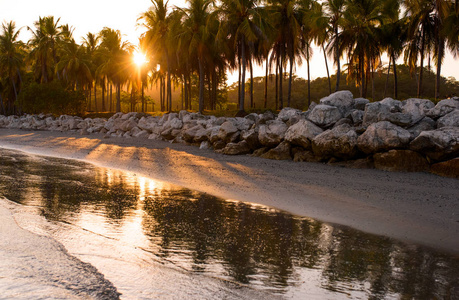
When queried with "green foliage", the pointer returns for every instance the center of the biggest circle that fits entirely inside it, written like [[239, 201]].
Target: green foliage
[[52, 98]]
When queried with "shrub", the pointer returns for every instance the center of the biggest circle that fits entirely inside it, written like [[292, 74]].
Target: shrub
[[51, 98]]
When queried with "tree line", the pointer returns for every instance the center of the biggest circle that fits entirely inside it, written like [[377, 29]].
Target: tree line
[[194, 47]]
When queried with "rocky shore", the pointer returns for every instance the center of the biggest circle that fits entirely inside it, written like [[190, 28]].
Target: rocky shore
[[411, 135]]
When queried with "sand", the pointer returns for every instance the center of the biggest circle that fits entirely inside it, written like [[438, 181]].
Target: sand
[[413, 207]]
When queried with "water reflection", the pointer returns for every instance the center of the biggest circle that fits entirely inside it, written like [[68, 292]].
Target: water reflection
[[242, 242]]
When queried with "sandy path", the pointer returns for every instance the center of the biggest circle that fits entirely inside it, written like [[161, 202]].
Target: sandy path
[[415, 207]]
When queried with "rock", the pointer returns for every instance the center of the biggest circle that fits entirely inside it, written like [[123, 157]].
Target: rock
[[325, 115], [167, 134], [189, 134], [343, 100], [378, 111], [236, 148], [251, 137], [340, 142], [356, 116], [383, 136], [281, 152], [84, 131], [449, 168], [439, 144], [425, 125], [361, 163], [342, 121], [135, 131], [201, 135], [272, 133], [286, 113], [260, 151], [302, 133], [417, 107], [450, 119], [143, 134], [205, 145], [226, 130], [443, 107], [217, 145], [266, 116], [401, 161], [359, 103], [394, 105], [305, 155]]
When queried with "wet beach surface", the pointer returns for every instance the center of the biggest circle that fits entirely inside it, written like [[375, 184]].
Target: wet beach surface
[[146, 236]]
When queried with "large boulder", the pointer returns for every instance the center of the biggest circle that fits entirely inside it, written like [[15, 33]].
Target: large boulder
[[383, 111], [450, 119], [343, 100], [236, 148], [227, 129], [383, 136], [190, 133], [417, 107], [394, 105], [439, 144], [401, 161], [272, 133], [286, 113], [281, 152], [425, 124], [340, 142], [251, 137], [128, 125], [302, 132], [443, 107], [449, 168], [359, 103], [325, 115]]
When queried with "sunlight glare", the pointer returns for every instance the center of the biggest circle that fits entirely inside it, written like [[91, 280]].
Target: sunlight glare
[[139, 58]]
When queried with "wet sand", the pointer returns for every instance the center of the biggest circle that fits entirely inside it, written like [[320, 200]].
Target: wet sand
[[413, 207]]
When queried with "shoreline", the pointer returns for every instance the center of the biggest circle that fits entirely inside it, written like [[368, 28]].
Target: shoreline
[[411, 207]]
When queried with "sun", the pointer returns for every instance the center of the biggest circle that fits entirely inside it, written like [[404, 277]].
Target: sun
[[139, 58]]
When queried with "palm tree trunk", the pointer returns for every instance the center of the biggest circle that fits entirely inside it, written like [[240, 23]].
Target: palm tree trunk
[[118, 97], [169, 87], [277, 83], [214, 89], [421, 67], [387, 77], [338, 66], [441, 46], [111, 96], [201, 86], [143, 96], [104, 108], [251, 84], [241, 103], [326, 67], [281, 79], [265, 104], [2, 105], [309, 74], [290, 76], [395, 77]]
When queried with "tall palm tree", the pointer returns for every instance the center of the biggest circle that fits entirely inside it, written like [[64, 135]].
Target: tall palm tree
[[12, 54], [361, 22], [44, 44], [243, 26], [335, 11], [156, 20], [91, 42], [74, 65]]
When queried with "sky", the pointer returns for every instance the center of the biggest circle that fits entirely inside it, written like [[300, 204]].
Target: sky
[[92, 15]]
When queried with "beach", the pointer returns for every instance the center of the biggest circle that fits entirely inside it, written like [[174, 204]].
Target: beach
[[419, 208]]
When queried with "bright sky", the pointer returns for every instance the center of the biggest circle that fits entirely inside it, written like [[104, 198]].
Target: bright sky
[[92, 15]]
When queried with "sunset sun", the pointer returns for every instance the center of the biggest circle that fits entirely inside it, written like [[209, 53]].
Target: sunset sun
[[139, 58]]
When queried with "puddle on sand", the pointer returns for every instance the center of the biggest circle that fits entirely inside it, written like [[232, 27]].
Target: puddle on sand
[[151, 222]]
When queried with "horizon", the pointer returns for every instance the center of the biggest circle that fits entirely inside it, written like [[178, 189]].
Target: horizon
[[123, 17]]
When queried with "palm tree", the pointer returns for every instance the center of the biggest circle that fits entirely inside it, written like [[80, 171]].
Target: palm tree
[[12, 53], [91, 42], [335, 11], [157, 20], [74, 65], [243, 26], [44, 43], [361, 22], [117, 60]]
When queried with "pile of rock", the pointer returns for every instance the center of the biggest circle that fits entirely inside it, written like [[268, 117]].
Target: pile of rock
[[409, 135]]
